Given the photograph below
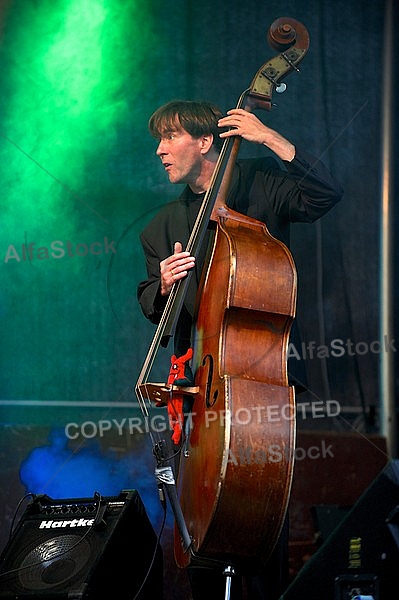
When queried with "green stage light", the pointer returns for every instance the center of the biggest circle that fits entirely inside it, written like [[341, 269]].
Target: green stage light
[[69, 70]]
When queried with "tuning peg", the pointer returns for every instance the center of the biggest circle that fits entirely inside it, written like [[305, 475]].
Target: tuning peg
[[280, 88]]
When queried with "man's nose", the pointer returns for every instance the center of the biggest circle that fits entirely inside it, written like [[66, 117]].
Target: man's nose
[[160, 149]]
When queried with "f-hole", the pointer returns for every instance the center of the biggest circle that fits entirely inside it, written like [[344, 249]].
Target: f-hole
[[208, 401]]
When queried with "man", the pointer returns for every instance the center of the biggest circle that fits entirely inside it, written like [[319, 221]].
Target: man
[[190, 136], [299, 188]]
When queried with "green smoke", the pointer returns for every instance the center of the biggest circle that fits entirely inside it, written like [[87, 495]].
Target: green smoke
[[70, 72], [66, 68]]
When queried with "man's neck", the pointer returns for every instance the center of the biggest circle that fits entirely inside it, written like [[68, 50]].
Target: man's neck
[[203, 182]]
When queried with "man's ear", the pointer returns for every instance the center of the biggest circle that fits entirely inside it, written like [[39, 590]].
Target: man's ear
[[206, 143]]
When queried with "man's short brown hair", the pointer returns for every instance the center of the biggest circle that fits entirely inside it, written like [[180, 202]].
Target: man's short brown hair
[[196, 117]]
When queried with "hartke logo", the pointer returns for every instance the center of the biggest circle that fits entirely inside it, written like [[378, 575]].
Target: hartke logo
[[51, 524]]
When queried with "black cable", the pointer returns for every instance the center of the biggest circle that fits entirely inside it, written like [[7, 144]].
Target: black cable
[[27, 495], [157, 546]]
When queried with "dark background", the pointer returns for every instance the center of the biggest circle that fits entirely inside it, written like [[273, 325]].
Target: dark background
[[78, 164]]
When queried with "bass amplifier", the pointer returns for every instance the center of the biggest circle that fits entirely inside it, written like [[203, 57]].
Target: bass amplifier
[[83, 549]]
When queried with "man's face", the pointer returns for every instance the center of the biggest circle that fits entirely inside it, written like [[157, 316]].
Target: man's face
[[181, 156]]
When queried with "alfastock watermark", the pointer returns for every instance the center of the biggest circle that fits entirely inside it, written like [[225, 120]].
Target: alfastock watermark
[[338, 348], [57, 249], [275, 453]]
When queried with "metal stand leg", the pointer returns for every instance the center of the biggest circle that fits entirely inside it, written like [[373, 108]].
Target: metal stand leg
[[228, 573]]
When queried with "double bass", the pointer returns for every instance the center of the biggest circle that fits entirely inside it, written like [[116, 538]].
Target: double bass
[[236, 456]]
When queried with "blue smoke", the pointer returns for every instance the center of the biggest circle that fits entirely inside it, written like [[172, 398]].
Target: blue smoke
[[60, 472]]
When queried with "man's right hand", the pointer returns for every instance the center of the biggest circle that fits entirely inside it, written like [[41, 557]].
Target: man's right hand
[[175, 267]]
